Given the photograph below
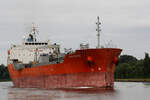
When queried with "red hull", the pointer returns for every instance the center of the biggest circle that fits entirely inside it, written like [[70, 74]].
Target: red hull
[[75, 71]]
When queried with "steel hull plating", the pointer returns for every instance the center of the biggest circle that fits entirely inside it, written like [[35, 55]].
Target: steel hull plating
[[89, 79], [77, 70]]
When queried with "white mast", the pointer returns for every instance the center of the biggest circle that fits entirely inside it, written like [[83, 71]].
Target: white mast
[[34, 31], [98, 23]]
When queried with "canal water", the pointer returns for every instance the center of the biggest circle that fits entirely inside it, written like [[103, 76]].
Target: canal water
[[121, 91]]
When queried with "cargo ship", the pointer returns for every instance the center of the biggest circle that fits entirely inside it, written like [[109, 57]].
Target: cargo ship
[[35, 64]]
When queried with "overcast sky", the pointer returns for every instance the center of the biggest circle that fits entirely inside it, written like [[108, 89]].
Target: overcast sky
[[71, 22]]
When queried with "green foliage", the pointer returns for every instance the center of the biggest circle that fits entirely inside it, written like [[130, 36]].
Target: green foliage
[[4, 74], [127, 59], [130, 67], [146, 65]]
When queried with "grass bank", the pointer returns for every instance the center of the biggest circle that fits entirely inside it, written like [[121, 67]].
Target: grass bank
[[5, 80], [132, 80]]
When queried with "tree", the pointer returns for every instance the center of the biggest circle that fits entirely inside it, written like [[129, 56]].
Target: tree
[[146, 66], [4, 74], [127, 59], [130, 67]]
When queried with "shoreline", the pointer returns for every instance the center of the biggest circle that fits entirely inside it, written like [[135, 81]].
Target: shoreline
[[5, 80], [132, 80]]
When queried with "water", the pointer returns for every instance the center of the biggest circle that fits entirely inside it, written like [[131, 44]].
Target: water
[[121, 91]]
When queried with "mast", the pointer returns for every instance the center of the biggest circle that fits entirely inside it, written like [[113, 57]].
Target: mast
[[98, 23], [34, 31], [33, 28]]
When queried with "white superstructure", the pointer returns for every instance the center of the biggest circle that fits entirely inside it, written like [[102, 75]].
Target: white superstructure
[[32, 51]]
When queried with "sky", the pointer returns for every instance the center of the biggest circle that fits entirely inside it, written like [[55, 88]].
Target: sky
[[70, 22]]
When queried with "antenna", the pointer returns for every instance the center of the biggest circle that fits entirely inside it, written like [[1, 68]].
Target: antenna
[[98, 23]]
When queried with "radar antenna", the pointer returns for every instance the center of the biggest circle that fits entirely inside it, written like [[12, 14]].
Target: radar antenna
[[98, 23]]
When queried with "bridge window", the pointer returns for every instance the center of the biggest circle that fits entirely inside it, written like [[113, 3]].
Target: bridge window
[[36, 43]]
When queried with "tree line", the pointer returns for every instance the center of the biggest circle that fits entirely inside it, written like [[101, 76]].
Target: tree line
[[4, 74], [130, 67]]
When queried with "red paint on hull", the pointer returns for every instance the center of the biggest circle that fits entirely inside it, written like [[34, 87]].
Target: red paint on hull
[[75, 71], [90, 79]]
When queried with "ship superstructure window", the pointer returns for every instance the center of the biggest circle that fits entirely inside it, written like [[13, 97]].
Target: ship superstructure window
[[36, 43]]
